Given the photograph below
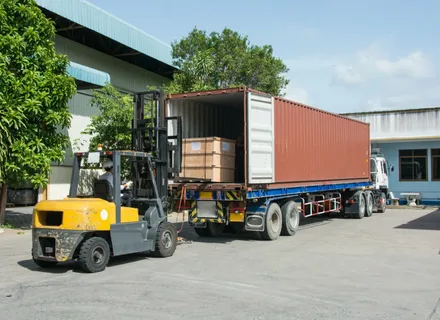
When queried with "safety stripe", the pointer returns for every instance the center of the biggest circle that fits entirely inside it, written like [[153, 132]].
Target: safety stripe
[[233, 195], [201, 220], [219, 210], [193, 210], [193, 214]]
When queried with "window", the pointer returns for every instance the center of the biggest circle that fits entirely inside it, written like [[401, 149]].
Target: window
[[413, 165], [435, 163]]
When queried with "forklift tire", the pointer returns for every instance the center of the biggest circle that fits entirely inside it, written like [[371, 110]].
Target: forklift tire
[[94, 255], [166, 240], [45, 264]]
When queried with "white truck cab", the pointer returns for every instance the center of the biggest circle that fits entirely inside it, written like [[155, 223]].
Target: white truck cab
[[380, 171]]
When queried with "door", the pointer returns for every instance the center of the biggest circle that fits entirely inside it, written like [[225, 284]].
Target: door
[[383, 178], [260, 138]]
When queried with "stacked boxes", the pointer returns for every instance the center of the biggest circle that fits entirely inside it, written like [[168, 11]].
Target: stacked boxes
[[209, 158]]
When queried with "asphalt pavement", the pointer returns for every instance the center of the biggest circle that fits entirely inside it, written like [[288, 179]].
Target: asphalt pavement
[[382, 267]]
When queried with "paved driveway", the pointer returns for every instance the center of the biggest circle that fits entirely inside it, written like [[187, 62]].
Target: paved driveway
[[382, 267]]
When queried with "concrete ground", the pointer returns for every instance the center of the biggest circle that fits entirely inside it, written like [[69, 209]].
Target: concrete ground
[[382, 267]]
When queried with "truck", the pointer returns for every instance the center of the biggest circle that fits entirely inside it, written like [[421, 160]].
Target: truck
[[295, 161]]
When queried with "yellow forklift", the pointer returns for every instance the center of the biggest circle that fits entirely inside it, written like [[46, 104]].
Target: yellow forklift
[[90, 229]]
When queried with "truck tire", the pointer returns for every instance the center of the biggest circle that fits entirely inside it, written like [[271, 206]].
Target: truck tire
[[290, 215], [94, 255], [362, 207], [273, 222], [202, 232], [369, 204], [382, 205], [215, 229], [166, 240]]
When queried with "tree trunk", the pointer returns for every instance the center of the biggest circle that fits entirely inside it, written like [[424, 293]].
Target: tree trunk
[[3, 200]]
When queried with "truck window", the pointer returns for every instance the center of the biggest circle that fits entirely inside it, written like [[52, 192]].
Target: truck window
[[384, 168], [373, 166]]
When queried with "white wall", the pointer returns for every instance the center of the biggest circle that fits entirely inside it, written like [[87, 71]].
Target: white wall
[[402, 125]]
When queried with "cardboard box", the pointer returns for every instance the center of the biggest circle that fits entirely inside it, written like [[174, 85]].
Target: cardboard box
[[209, 158]]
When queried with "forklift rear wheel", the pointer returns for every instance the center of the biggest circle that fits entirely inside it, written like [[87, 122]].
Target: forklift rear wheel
[[94, 255], [166, 240], [44, 263]]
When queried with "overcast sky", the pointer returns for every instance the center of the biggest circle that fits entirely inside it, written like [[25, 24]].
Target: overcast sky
[[343, 55]]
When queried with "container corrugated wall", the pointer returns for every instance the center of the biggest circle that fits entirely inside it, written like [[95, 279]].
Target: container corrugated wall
[[313, 146]]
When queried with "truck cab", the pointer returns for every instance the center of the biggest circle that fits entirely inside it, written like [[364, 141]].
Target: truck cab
[[380, 171]]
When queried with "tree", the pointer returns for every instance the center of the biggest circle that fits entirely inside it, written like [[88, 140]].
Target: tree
[[34, 91], [225, 59]]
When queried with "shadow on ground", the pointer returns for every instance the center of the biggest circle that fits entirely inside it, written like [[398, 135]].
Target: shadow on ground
[[72, 266], [430, 221], [228, 235]]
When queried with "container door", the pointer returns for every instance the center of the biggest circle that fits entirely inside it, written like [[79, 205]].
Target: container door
[[260, 138]]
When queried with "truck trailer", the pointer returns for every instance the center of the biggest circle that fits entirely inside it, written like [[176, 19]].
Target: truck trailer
[[294, 160]]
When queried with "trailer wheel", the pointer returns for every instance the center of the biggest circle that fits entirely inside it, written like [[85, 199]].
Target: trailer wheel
[[202, 232], [361, 202], [273, 222], [382, 203], [290, 214], [215, 229], [369, 204]]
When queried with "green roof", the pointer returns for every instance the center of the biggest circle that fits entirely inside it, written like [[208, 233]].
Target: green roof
[[94, 18]]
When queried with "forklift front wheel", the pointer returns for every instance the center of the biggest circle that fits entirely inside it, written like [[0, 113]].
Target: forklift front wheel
[[166, 240]]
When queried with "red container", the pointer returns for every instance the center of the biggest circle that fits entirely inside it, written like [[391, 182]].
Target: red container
[[285, 143], [313, 146]]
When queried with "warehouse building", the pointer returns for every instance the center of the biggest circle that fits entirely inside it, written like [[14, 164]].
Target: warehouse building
[[102, 49], [410, 140]]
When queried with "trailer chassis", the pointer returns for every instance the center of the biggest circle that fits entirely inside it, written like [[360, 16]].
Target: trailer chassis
[[212, 207]]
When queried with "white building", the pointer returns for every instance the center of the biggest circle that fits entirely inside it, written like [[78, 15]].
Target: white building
[[410, 140]]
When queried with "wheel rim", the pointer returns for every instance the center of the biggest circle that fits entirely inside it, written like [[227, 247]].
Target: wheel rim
[[361, 205], [167, 239], [293, 220], [370, 204], [275, 222], [98, 255]]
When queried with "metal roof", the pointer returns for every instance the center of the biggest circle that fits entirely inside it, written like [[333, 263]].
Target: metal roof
[[411, 110], [86, 75], [83, 22]]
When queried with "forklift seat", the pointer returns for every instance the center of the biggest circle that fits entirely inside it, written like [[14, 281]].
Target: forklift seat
[[102, 189]]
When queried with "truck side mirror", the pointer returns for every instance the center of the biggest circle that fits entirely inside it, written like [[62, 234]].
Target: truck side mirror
[[391, 168]]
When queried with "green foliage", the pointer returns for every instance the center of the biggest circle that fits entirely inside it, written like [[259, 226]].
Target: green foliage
[[34, 91], [226, 59], [111, 127]]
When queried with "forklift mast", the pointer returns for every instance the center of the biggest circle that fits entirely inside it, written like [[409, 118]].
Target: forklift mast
[[150, 134]]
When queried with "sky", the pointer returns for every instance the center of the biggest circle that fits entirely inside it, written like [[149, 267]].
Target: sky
[[342, 55]]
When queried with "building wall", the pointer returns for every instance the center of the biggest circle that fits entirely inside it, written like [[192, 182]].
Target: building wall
[[392, 131], [124, 76], [429, 189], [398, 125]]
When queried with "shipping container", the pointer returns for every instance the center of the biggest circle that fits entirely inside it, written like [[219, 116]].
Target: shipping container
[[286, 143], [285, 151]]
